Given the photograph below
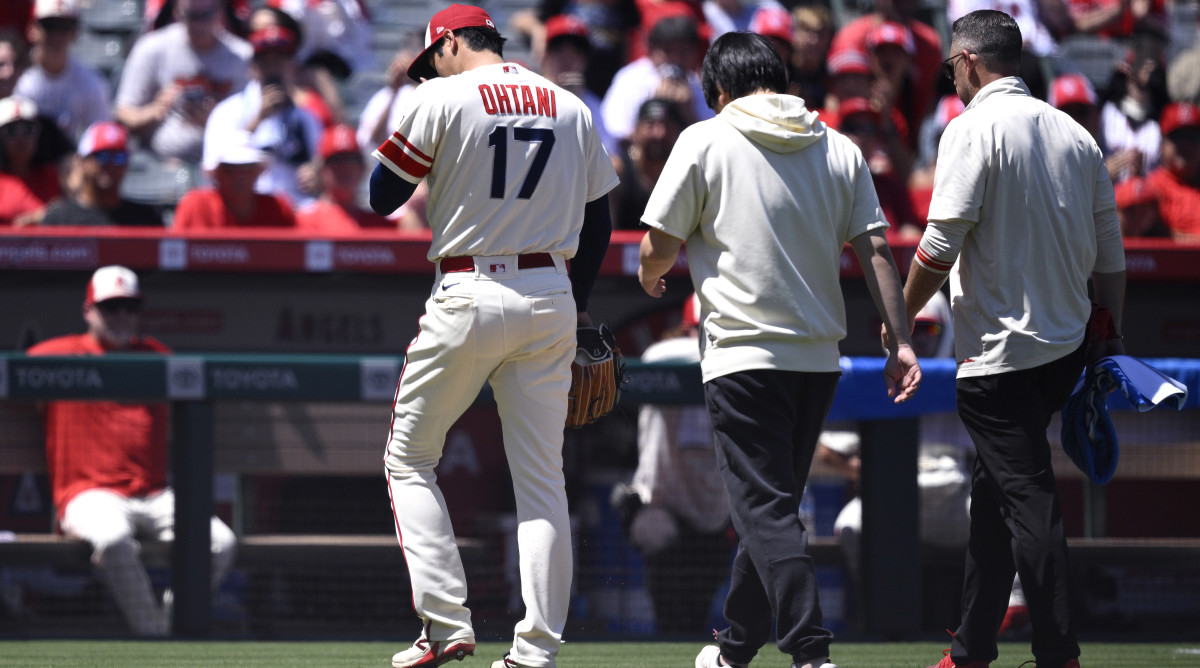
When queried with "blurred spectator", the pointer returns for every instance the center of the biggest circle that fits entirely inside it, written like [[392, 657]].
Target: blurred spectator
[[852, 77], [107, 460], [849, 77], [666, 71], [725, 16], [286, 133], [381, 115], [775, 23], [336, 44], [1134, 100], [920, 180], [20, 144], [1073, 95], [1177, 181], [1118, 19], [75, 95], [100, 165], [1039, 20], [233, 202], [677, 510], [609, 23], [303, 94], [813, 32], [341, 174], [858, 120], [926, 47], [568, 49], [174, 77], [659, 123], [234, 15], [891, 48], [1137, 209], [19, 206], [14, 60]]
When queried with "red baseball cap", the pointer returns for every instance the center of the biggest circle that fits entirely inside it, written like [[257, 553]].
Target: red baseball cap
[[948, 109], [566, 25], [338, 139], [1072, 89], [450, 18], [691, 311], [103, 136], [1179, 115], [273, 39], [772, 22], [857, 105], [112, 282], [890, 32], [848, 61]]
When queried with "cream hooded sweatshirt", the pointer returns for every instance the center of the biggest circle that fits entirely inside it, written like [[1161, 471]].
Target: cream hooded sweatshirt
[[765, 196]]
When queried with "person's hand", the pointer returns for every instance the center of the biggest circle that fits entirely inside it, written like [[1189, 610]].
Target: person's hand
[[308, 178], [164, 101], [902, 374], [275, 98], [654, 286]]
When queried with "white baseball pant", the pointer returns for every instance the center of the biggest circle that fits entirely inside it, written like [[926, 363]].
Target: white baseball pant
[[113, 524], [514, 329]]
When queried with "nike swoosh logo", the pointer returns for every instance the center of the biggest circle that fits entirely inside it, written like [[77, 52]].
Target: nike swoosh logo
[[447, 287]]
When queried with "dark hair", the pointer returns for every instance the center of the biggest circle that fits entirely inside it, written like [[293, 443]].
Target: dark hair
[[477, 38], [674, 29], [994, 36], [661, 109], [283, 20], [740, 63]]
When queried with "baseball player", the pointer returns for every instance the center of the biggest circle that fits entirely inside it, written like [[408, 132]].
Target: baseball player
[[518, 184]]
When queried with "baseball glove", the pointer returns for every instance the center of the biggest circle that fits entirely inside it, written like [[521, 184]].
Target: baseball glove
[[597, 375]]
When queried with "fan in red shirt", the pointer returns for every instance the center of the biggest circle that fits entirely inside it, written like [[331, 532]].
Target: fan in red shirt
[[108, 460], [234, 203], [341, 174], [1177, 180]]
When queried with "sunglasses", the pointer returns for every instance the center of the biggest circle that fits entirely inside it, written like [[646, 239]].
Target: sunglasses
[[58, 24], [948, 66], [20, 129], [110, 158], [126, 304]]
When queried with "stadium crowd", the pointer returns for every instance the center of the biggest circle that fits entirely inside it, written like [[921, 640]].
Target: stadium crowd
[[258, 88]]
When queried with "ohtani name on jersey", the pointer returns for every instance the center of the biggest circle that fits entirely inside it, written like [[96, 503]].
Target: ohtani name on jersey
[[518, 99]]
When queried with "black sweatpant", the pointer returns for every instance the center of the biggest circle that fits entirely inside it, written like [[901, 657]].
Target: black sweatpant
[[1016, 520], [766, 424]]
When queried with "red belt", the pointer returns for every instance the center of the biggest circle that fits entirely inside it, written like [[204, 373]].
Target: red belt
[[450, 265]]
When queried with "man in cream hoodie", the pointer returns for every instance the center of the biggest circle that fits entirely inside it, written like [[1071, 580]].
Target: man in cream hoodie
[[765, 196]]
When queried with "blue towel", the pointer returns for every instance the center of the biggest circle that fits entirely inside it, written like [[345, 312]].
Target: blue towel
[[1088, 436]]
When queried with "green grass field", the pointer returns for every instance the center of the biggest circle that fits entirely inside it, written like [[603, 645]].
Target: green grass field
[[172, 654]]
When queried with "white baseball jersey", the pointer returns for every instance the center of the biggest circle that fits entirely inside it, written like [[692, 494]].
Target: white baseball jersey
[[509, 132]]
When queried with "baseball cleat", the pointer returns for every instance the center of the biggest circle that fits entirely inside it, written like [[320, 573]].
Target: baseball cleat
[[434, 652], [947, 662], [818, 663], [710, 657]]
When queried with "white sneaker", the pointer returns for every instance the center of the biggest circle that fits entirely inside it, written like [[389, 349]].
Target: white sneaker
[[819, 663], [505, 662], [710, 657], [434, 652]]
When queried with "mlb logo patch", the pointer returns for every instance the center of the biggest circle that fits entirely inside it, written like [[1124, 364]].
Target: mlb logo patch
[[497, 268]]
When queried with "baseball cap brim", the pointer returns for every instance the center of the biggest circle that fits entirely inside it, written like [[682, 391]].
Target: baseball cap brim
[[450, 18]]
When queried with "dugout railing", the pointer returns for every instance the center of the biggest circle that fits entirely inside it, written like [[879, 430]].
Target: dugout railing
[[214, 397]]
